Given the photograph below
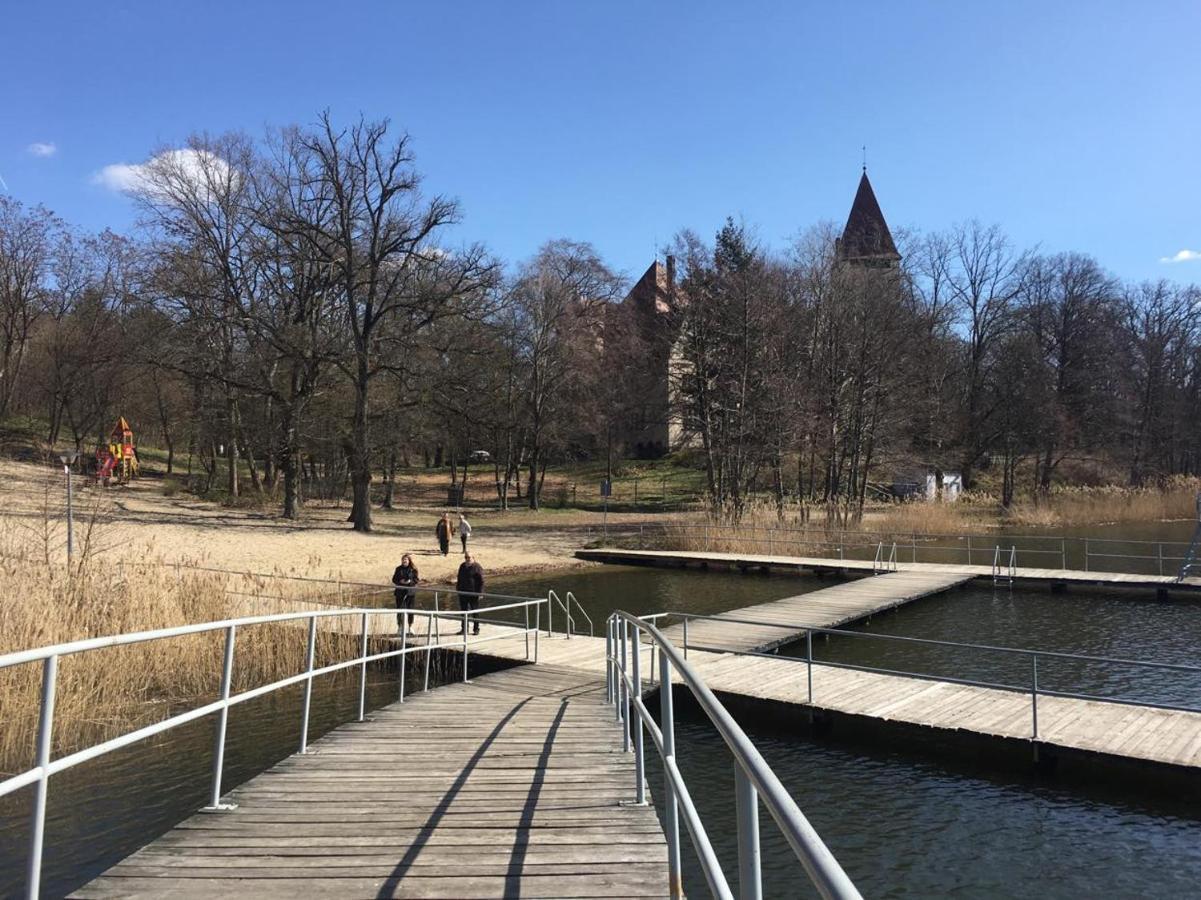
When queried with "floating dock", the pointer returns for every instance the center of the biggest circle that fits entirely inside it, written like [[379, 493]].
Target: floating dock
[[826, 608], [1056, 578]]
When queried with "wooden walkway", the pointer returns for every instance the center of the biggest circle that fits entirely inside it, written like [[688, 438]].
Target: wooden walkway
[[1112, 729], [795, 564], [827, 608], [511, 785]]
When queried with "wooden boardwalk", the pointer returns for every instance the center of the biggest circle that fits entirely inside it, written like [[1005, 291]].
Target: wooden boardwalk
[[511, 785], [827, 608], [796, 564], [1112, 729]]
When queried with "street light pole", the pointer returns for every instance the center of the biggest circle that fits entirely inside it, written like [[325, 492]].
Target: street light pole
[[68, 460]]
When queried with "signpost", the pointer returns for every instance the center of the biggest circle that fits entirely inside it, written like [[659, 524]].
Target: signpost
[[68, 460]]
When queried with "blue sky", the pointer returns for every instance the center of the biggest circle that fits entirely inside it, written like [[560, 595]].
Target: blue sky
[[1074, 126]]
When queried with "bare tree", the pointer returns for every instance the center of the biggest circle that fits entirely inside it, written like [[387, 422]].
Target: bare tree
[[381, 241], [559, 300], [27, 240], [984, 278]]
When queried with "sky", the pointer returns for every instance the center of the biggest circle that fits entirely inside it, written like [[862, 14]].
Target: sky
[[1074, 126]]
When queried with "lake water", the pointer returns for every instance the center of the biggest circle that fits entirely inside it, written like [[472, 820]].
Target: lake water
[[904, 822]]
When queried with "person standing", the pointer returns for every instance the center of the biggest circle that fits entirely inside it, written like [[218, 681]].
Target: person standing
[[464, 530], [405, 578], [470, 585], [444, 530]]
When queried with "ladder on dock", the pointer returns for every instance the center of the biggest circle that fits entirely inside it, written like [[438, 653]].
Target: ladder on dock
[[1004, 565], [1191, 564]]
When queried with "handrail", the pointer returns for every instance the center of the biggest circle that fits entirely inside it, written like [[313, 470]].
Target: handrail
[[49, 656], [569, 630], [571, 598], [1032, 655], [754, 778], [995, 648], [1086, 549]]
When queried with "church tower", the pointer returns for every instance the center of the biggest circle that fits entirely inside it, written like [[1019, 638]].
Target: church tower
[[866, 240]]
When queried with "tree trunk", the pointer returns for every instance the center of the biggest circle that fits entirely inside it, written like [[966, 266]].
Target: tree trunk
[[360, 461]]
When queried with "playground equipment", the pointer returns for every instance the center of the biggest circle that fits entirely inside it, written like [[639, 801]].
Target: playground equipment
[[118, 458]]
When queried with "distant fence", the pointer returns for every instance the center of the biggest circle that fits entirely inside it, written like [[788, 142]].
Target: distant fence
[[633, 493], [1029, 550]]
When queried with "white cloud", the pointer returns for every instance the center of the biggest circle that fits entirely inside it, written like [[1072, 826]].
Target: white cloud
[[177, 168], [42, 148], [1182, 256]]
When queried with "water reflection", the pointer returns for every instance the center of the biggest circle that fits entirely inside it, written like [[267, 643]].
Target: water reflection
[[904, 827]]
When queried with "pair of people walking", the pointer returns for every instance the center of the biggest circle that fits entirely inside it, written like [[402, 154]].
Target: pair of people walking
[[445, 530], [469, 584]]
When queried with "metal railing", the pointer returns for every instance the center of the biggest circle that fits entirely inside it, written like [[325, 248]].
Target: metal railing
[[44, 766], [1032, 656], [753, 778], [1031, 550], [566, 606]]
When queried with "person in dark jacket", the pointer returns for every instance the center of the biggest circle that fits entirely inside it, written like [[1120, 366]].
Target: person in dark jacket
[[444, 530], [470, 584], [405, 578]]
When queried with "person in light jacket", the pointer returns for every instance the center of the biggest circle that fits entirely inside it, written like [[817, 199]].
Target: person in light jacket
[[464, 530]]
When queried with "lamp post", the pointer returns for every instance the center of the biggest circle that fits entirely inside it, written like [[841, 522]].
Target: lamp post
[[68, 460]]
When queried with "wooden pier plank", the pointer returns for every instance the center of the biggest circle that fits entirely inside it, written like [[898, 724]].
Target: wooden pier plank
[[514, 784]]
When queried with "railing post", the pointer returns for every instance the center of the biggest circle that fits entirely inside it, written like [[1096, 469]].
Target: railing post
[[1159, 552], [1034, 693], [404, 646], [671, 814], [685, 637], [308, 684], [537, 628], [227, 671], [625, 690], [746, 800], [617, 686], [526, 608], [639, 759], [37, 828], [609, 661], [1063, 553], [969, 549], [550, 614], [464, 646], [432, 630], [809, 662], [1086, 554], [363, 672]]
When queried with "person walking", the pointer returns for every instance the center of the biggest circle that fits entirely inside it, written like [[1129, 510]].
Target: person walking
[[464, 530], [405, 578], [470, 585], [444, 530]]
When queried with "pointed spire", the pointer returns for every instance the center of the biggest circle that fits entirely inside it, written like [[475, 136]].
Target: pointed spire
[[866, 237]]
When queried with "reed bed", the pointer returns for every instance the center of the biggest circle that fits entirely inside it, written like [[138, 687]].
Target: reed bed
[[762, 530], [105, 693], [1175, 500]]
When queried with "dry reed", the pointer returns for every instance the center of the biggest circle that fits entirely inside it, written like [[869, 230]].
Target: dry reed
[[761, 529], [103, 693]]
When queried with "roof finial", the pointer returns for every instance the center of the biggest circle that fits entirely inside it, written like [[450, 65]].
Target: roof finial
[[865, 159]]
